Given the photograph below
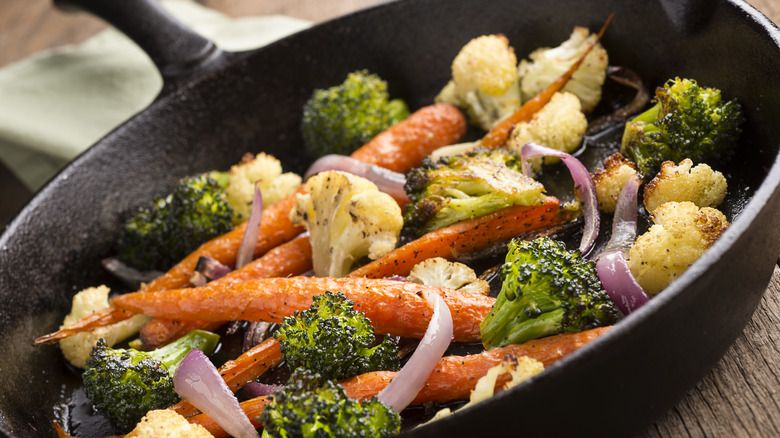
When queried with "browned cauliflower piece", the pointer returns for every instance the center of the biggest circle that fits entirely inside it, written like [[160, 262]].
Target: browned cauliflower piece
[[609, 181], [559, 125], [76, 348], [701, 185], [519, 369], [681, 233], [484, 81], [348, 218], [548, 64], [166, 423], [441, 272], [264, 169]]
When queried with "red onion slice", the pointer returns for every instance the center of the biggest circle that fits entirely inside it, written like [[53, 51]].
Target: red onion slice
[[198, 381], [386, 180], [257, 389], [408, 382], [617, 280], [583, 185], [611, 265], [208, 269], [129, 275], [246, 251]]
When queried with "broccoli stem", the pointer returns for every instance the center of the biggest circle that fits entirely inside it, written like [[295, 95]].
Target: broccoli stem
[[172, 354], [517, 319], [650, 115]]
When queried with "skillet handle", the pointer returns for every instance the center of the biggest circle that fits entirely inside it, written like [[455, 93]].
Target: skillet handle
[[175, 49]]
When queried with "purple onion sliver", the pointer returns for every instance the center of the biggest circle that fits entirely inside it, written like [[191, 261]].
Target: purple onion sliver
[[257, 389], [248, 243], [583, 184], [198, 381], [386, 180], [617, 280], [211, 268], [611, 265], [256, 332], [624, 221], [412, 377], [128, 274]]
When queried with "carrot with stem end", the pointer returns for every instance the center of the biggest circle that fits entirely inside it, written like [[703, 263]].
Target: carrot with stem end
[[468, 236], [291, 258], [453, 378], [394, 307], [464, 237], [499, 134]]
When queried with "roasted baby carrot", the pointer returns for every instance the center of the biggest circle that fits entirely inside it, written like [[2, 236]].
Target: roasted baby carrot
[[291, 258], [247, 367], [499, 134], [404, 145], [102, 318], [464, 237], [453, 378], [393, 307]]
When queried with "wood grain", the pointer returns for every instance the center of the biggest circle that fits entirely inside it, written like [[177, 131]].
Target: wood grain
[[740, 397]]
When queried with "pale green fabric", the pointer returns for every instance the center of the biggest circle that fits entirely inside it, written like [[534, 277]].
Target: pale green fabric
[[57, 103]]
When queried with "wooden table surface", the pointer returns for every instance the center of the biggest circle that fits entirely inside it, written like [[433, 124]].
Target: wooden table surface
[[739, 397]]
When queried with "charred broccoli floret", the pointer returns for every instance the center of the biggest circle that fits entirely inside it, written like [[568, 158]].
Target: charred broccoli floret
[[546, 290], [462, 187], [158, 237], [342, 118], [311, 406], [687, 121], [125, 384], [335, 339]]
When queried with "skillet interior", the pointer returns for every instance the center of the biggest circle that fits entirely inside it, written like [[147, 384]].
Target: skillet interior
[[53, 247]]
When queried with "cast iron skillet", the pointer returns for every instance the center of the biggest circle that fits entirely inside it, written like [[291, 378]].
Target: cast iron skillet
[[216, 106]]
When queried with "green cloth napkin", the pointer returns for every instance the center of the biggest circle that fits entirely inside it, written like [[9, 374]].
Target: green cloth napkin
[[57, 103]]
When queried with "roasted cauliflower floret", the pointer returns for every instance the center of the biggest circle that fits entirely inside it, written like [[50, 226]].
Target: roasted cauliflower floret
[[558, 125], [166, 423], [348, 218], [76, 348], [548, 64], [609, 181], [519, 369], [267, 171], [701, 185], [681, 233], [484, 81], [441, 272]]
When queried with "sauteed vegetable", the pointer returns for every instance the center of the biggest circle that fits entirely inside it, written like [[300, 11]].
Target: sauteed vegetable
[[332, 265]]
